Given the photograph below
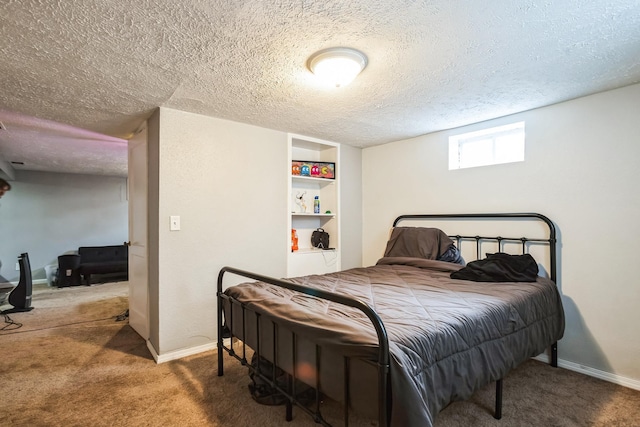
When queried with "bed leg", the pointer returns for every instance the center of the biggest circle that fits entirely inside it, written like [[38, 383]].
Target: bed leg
[[289, 411], [554, 354], [220, 361], [220, 329], [498, 413]]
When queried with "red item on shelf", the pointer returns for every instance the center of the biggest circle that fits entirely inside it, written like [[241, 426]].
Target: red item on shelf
[[294, 240]]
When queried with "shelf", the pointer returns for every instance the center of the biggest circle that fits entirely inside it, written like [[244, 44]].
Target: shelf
[[321, 181], [322, 215], [307, 251], [303, 189]]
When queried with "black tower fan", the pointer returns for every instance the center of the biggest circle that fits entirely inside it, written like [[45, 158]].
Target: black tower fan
[[20, 297]]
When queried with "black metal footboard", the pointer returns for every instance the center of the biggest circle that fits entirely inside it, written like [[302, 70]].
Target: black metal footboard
[[382, 363]]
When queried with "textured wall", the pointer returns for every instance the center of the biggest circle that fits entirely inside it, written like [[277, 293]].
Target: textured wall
[[350, 207], [227, 182], [581, 170]]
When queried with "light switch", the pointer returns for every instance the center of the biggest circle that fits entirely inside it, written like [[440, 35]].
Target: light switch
[[175, 222]]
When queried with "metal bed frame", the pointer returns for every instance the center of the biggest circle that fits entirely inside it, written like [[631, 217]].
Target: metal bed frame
[[382, 363]]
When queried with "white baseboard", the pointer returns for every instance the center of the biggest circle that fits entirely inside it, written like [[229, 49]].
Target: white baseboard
[[152, 350], [592, 372], [179, 354]]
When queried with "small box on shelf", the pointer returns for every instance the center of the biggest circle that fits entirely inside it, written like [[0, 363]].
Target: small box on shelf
[[323, 170]]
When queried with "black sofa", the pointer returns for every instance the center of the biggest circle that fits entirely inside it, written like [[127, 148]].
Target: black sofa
[[103, 260]]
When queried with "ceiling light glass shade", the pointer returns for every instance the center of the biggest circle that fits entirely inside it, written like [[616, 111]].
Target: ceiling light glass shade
[[337, 66]]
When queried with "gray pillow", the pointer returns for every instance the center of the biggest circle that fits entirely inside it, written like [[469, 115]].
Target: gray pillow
[[417, 242]]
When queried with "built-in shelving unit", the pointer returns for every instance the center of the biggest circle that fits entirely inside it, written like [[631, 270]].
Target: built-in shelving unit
[[302, 191]]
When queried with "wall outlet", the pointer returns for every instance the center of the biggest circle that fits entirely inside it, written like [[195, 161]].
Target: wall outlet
[[17, 266]]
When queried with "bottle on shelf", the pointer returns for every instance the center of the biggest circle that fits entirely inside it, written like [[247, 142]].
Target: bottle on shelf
[[316, 205]]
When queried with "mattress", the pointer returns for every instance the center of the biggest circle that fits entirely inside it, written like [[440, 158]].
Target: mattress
[[447, 337]]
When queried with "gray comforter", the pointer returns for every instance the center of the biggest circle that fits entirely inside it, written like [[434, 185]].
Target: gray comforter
[[447, 337]]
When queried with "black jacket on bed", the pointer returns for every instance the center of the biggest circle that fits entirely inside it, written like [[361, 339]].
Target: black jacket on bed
[[500, 267]]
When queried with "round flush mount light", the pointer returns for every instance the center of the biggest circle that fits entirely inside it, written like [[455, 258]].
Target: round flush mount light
[[337, 66]]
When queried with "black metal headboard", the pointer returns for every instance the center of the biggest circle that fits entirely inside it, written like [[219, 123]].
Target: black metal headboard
[[551, 241]]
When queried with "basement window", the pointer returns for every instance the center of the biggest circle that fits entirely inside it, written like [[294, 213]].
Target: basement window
[[493, 146]]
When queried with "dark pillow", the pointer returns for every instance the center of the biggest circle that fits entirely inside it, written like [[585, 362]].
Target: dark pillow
[[417, 242], [500, 267]]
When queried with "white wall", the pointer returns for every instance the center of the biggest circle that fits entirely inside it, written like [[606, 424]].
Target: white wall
[[49, 214], [350, 207], [227, 182], [581, 170]]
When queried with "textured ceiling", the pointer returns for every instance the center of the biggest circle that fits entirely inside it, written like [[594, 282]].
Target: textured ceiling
[[104, 66]]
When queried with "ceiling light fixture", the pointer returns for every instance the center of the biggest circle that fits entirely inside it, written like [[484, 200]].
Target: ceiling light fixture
[[337, 66]]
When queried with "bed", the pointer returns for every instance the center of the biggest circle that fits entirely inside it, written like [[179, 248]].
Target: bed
[[402, 339]]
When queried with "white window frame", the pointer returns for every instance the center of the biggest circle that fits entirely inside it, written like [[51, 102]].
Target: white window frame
[[492, 146]]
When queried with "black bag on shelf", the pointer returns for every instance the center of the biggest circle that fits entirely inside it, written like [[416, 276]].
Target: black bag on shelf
[[320, 239]]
